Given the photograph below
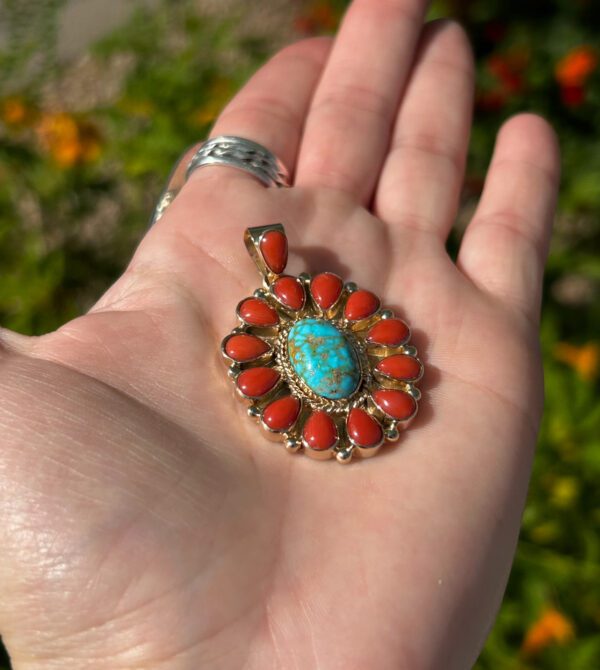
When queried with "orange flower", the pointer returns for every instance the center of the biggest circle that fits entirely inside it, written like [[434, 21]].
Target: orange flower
[[15, 112], [319, 17], [552, 627], [68, 140], [573, 70], [585, 360]]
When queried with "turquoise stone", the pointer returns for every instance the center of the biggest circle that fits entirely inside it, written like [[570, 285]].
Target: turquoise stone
[[324, 358]]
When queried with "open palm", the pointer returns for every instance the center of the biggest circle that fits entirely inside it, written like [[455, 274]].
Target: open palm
[[144, 520]]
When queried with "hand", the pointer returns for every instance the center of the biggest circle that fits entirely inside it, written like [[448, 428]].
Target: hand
[[146, 523]]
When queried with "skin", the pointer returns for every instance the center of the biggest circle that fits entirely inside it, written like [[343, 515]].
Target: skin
[[144, 520]]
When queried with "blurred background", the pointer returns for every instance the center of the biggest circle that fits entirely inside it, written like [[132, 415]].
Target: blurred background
[[98, 98]]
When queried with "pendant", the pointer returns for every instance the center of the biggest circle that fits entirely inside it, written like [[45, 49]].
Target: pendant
[[321, 366]]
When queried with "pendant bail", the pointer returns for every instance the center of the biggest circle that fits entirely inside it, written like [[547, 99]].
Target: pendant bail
[[268, 248]]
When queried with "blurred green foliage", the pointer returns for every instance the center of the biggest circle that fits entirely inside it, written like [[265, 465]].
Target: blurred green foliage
[[78, 182]]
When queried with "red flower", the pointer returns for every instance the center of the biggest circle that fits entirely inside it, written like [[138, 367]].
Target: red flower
[[572, 96], [508, 71], [572, 72], [575, 68]]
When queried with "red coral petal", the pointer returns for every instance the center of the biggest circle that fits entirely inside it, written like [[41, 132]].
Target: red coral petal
[[255, 382], [281, 414], [320, 431], [400, 366], [243, 348], [256, 312], [389, 333], [325, 289], [396, 404], [290, 292], [274, 248], [360, 305], [363, 429]]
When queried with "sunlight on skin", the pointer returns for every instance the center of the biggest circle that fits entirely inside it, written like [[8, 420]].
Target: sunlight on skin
[[146, 523]]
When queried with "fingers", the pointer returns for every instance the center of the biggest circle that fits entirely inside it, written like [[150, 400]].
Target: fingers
[[268, 109], [201, 229], [271, 108], [505, 246], [422, 176], [349, 123]]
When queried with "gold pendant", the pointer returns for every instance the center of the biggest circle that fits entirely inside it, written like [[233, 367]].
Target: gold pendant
[[321, 365]]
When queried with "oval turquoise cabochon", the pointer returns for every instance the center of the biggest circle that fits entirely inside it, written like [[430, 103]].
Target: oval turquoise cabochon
[[324, 358]]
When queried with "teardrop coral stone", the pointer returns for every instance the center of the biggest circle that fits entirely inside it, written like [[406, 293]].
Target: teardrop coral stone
[[325, 289], [281, 414], [274, 248], [290, 292], [256, 312], [243, 348], [360, 305], [363, 429], [255, 382], [397, 404], [319, 431], [389, 333], [401, 367]]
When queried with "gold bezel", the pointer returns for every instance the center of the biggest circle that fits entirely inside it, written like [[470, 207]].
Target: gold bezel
[[301, 389]]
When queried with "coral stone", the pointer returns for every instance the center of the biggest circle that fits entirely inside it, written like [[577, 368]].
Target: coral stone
[[281, 414], [255, 382], [256, 312], [363, 429], [400, 366], [397, 404], [274, 248], [325, 289], [319, 431], [290, 292], [389, 333], [360, 305], [243, 348], [323, 358]]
